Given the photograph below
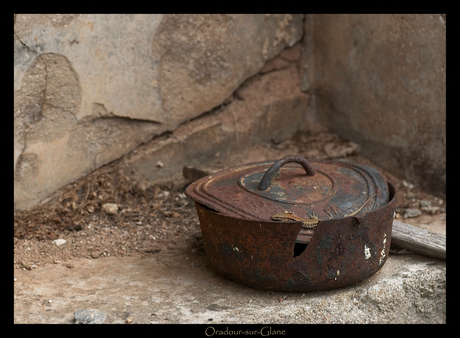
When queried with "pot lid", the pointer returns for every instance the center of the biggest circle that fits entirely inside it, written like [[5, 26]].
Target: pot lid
[[315, 188]]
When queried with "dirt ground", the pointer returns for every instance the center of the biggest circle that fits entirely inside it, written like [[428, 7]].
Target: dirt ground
[[152, 218]]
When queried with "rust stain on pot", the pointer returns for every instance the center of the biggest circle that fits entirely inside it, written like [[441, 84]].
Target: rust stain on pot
[[248, 247]]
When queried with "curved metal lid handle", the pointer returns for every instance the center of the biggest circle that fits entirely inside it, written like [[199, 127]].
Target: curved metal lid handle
[[266, 180]]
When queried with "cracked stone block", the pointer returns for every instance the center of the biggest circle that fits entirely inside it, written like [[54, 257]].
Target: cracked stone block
[[90, 88], [275, 96]]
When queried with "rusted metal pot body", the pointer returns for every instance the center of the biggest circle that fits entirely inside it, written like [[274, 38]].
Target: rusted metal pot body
[[268, 255]]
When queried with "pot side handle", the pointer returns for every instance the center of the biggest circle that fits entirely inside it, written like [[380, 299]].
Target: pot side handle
[[267, 178]]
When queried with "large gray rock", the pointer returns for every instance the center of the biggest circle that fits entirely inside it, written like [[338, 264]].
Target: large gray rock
[[90, 88]]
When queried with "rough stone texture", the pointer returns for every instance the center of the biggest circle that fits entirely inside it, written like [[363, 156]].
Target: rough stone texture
[[380, 80], [177, 286], [90, 88], [88, 316], [204, 58], [270, 107]]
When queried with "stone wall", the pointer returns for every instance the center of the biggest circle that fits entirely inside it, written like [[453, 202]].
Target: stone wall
[[380, 80], [185, 89], [91, 88]]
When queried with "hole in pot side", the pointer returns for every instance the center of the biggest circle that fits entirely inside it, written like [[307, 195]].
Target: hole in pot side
[[299, 248], [303, 238]]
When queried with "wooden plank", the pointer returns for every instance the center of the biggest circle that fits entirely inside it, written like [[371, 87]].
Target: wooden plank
[[418, 240]]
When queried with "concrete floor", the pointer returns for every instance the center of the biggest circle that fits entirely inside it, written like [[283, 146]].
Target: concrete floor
[[177, 286]]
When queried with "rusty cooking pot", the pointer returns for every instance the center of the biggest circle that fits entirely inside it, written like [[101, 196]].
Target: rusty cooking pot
[[323, 226]]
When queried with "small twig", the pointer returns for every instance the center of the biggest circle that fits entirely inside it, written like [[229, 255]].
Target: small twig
[[83, 202]]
